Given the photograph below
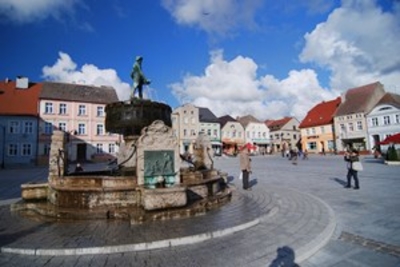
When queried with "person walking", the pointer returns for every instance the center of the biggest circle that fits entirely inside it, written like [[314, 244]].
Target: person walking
[[350, 158], [245, 167]]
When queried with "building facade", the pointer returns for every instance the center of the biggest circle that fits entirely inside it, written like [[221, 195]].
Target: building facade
[[283, 133], [185, 125], [18, 122], [209, 125], [383, 121], [350, 122], [232, 135], [78, 110], [256, 133], [317, 131]]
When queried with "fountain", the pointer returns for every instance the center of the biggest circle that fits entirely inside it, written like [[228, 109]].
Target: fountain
[[147, 183]]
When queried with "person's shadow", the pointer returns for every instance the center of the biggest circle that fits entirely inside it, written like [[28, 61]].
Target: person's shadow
[[339, 181], [253, 182], [285, 257]]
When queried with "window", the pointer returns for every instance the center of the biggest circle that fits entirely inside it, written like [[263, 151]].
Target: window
[[26, 149], [351, 127], [100, 129], [312, 130], [386, 120], [294, 136], [192, 132], [240, 135], [100, 111], [111, 148], [322, 129], [234, 134], [215, 132], [397, 118], [62, 126], [81, 129], [342, 128], [312, 145], [359, 126], [13, 127], [12, 149], [193, 120], [48, 128], [185, 120], [82, 110], [209, 132], [28, 127], [99, 148], [307, 131], [46, 149], [184, 132], [374, 121], [48, 108], [63, 108]]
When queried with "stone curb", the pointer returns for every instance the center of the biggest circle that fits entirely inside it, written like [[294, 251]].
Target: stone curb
[[133, 247], [323, 238]]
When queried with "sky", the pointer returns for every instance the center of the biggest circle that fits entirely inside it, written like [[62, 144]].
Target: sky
[[264, 58]]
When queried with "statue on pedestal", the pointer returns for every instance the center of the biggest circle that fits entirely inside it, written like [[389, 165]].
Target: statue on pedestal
[[138, 78]]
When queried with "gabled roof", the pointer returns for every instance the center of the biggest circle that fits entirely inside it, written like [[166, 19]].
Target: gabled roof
[[78, 93], [16, 101], [390, 99], [225, 119], [360, 99], [245, 120], [276, 125], [321, 114], [205, 115]]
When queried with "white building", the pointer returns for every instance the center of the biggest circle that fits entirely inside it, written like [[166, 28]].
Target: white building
[[384, 120]]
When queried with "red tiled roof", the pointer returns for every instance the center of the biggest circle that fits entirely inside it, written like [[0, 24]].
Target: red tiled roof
[[321, 114], [16, 101], [361, 99], [275, 125]]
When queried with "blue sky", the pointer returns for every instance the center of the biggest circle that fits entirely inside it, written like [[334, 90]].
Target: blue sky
[[265, 58]]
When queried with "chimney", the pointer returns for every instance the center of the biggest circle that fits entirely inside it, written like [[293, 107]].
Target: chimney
[[21, 82], [343, 97]]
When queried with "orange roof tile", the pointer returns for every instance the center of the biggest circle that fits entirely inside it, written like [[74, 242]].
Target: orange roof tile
[[321, 114], [275, 125], [16, 101]]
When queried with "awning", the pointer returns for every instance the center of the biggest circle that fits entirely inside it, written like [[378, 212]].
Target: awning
[[393, 139]]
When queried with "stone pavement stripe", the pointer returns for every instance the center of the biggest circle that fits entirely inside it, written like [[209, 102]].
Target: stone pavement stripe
[[371, 244], [320, 240], [132, 247]]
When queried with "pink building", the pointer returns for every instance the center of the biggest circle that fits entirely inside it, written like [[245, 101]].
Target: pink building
[[79, 110]]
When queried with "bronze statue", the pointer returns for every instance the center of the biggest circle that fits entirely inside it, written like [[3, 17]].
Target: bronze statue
[[138, 78]]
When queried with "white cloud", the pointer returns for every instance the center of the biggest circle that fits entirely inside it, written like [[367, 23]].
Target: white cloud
[[65, 70], [232, 87], [25, 11], [358, 43], [215, 17]]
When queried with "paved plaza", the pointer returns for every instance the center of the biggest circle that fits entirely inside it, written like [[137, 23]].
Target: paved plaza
[[302, 208]]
